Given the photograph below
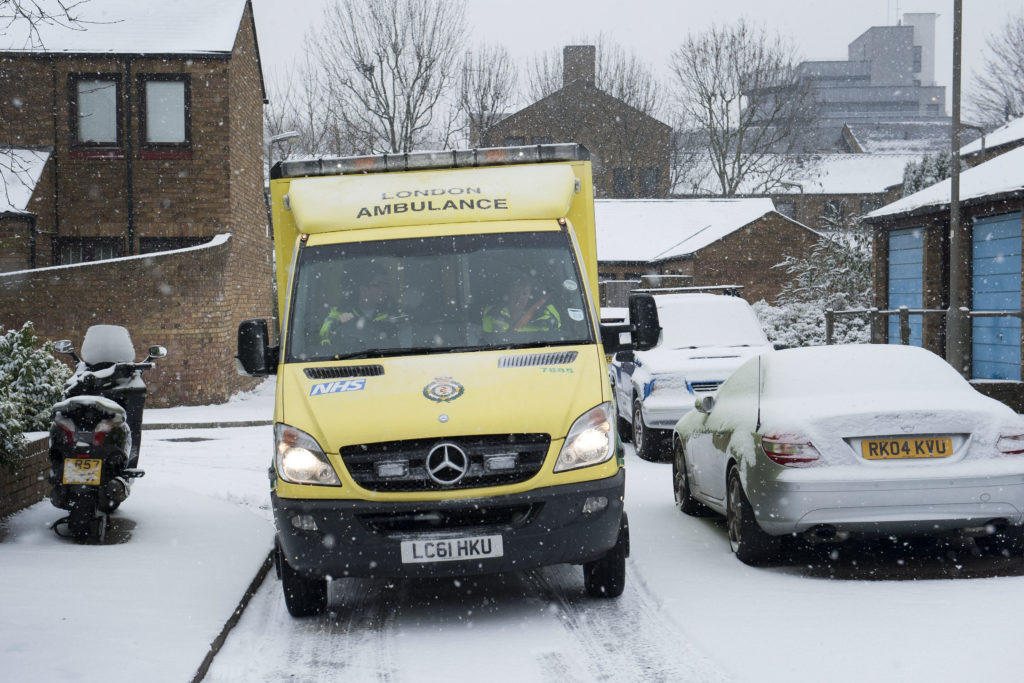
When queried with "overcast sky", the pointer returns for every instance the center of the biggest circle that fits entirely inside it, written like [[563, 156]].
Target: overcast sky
[[821, 29]]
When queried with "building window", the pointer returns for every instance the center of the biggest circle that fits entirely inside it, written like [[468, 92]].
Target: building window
[[83, 249], [647, 179], [622, 182], [786, 208], [869, 204], [515, 140], [95, 109], [917, 59], [165, 109], [541, 140], [149, 245]]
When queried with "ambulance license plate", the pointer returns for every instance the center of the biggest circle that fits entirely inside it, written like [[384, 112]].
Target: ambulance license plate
[[451, 549], [82, 471]]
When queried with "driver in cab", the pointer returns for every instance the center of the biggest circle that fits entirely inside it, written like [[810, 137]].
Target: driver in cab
[[527, 309], [369, 314]]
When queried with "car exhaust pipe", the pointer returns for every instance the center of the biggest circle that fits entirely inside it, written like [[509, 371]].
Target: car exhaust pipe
[[824, 533]]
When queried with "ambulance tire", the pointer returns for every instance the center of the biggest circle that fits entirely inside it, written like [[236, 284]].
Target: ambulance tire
[[606, 578], [304, 597]]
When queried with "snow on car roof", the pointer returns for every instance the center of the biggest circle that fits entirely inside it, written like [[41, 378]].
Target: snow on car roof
[[842, 368], [707, 320], [133, 27]]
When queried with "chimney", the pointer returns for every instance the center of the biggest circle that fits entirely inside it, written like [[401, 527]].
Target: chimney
[[578, 63]]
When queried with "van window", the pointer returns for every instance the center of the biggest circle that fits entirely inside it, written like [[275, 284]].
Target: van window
[[435, 294]]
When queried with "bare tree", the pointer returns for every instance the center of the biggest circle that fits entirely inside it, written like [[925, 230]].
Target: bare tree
[[997, 93], [619, 73], [486, 90], [740, 90], [21, 22], [390, 66], [27, 17]]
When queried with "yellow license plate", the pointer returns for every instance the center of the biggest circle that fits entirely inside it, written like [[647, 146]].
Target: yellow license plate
[[84, 471], [913, 447]]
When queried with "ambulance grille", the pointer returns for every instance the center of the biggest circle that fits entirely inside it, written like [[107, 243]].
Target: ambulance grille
[[534, 359], [520, 457], [345, 371]]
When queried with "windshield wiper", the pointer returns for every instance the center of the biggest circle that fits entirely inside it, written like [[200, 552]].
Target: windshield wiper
[[402, 351]]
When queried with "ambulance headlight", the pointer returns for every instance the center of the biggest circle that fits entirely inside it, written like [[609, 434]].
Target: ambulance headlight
[[591, 440], [299, 458]]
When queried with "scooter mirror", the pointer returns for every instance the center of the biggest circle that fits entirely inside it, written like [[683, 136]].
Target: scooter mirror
[[64, 346], [156, 352]]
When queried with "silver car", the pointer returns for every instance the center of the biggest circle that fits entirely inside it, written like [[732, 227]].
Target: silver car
[[829, 441]]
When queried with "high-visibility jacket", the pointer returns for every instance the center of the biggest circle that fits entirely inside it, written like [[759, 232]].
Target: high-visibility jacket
[[543, 319], [334, 318]]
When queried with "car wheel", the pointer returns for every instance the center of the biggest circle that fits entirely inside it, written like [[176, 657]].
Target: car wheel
[[648, 443], [746, 538], [1006, 540], [681, 484], [606, 578], [304, 597]]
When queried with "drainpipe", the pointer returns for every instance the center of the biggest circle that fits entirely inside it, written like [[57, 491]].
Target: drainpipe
[[32, 241], [956, 323], [128, 154]]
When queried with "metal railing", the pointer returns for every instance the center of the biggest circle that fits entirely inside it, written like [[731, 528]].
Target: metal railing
[[876, 316]]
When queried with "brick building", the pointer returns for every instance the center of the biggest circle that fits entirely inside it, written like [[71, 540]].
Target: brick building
[[630, 150], [912, 267], [707, 242], [146, 209]]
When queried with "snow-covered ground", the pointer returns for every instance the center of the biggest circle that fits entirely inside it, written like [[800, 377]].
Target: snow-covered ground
[[197, 529]]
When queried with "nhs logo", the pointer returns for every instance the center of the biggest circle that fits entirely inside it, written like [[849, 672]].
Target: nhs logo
[[335, 387]]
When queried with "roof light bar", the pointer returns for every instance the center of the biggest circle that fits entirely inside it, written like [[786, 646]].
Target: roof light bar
[[418, 161]]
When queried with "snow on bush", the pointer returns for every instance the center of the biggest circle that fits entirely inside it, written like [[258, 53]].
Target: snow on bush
[[31, 380], [836, 275]]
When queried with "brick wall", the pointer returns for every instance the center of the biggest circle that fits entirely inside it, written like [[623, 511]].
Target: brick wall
[[185, 300], [745, 257], [27, 485]]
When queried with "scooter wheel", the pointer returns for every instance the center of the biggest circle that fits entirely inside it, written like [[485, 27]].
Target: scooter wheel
[[80, 521]]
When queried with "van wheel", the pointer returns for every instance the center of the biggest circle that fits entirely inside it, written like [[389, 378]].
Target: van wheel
[[647, 442], [303, 597], [746, 537], [606, 578]]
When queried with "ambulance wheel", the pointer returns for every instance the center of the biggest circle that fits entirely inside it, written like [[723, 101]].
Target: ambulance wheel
[[304, 597], [606, 578]]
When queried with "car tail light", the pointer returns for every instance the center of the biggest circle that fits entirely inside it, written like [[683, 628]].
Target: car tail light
[[790, 450], [1011, 444]]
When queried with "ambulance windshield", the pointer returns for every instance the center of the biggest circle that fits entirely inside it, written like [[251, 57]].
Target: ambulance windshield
[[436, 294]]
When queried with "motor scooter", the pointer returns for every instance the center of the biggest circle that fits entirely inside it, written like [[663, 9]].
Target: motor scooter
[[96, 430]]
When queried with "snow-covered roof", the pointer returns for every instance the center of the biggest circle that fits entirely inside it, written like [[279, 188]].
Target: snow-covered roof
[[19, 172], [645, 230], [997, 176], [1011, 132], [819, 174], [851, 173], [134, 27], [902, 137]]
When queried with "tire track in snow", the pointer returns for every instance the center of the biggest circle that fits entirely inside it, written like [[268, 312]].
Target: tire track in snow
[[623, 638]]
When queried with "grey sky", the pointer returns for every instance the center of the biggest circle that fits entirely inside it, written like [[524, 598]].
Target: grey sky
[[821, 29]]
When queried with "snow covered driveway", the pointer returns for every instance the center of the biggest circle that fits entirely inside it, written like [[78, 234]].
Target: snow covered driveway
[[197, 529]]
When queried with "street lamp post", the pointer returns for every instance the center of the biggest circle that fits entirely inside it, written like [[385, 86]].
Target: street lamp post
[[956, 321]]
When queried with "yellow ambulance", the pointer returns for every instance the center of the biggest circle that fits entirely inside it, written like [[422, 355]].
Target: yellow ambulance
[[443, 405]]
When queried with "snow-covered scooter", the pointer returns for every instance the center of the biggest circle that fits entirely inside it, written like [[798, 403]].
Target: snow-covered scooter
[[96, 430]]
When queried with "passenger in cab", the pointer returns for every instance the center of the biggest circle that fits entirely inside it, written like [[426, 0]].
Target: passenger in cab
[[527, 309], [370, 311]]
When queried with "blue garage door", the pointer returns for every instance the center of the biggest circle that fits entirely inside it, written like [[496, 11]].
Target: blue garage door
[[906, 256], [995, 342]]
